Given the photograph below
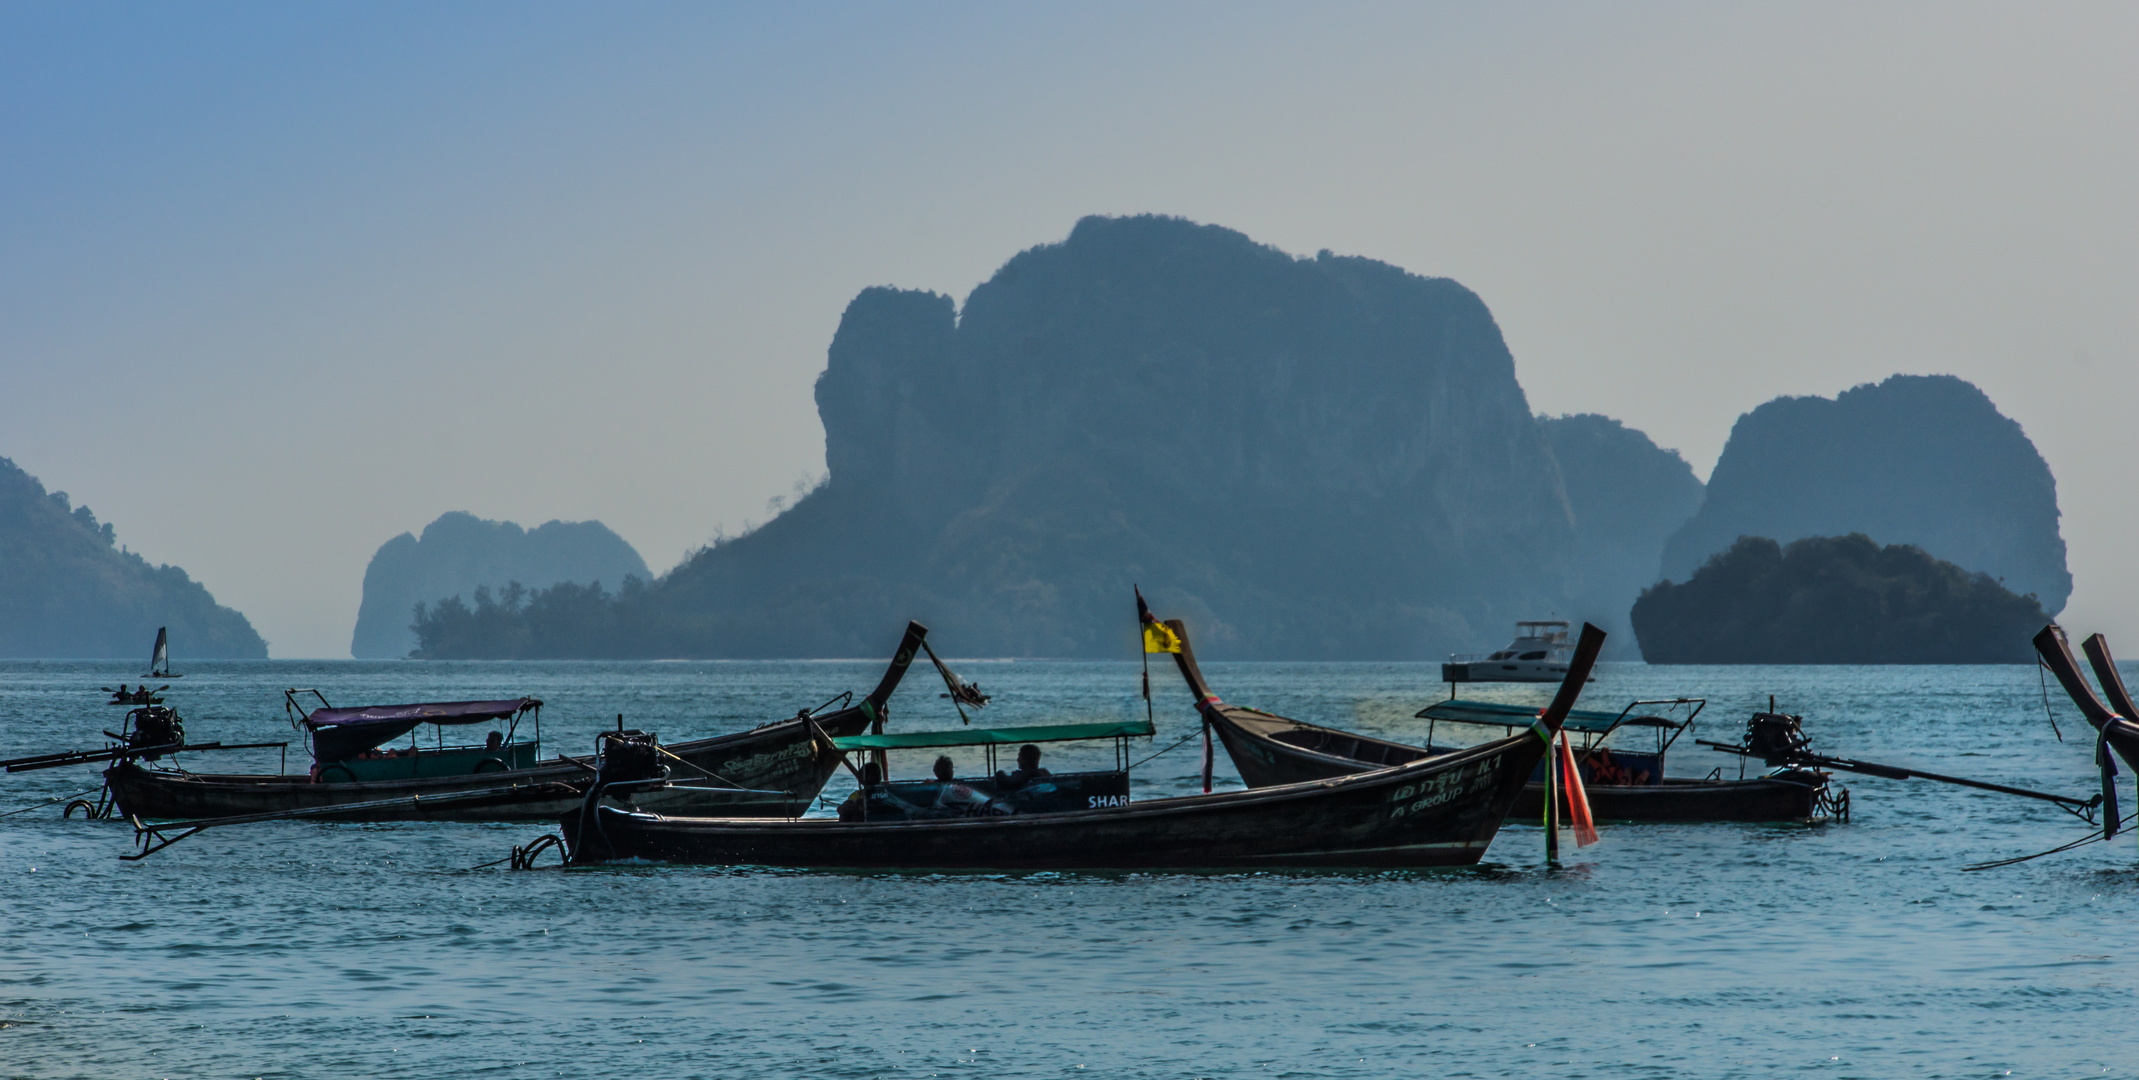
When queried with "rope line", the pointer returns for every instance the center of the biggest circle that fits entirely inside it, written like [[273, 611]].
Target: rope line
[[2044, 680], [2091, 838], [1172, 748], [62, 798]]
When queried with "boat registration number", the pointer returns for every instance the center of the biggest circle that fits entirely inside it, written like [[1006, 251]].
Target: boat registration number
[[1448, 786]]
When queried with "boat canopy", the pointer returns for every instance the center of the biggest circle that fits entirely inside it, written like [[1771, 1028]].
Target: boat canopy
[[342, 733], [1587, 721], [920, 740]]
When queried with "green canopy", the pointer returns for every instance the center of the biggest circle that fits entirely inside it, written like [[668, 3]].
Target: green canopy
[[919, 740], [1588, 721]]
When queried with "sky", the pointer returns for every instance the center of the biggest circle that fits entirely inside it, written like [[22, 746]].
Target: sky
[[279, 282]]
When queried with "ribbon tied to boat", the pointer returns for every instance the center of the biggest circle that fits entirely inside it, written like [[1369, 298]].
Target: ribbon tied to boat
[[1578, 814]]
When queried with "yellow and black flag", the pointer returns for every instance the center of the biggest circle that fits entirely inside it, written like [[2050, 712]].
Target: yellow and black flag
[[1158, 637]]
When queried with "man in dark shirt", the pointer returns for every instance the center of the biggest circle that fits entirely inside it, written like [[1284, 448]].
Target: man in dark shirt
[[1027, 771]]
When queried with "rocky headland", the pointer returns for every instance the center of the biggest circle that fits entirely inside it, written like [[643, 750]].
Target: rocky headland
[[68, 590], [1307, 458], [1628, 495], [1323, 457]]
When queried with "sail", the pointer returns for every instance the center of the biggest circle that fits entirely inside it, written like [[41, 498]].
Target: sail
[[160, 660]]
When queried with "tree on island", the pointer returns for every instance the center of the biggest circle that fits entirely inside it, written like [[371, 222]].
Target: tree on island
[[1834, 600]]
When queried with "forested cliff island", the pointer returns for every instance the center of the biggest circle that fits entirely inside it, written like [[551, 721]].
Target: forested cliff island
[[1834, 600], [459, 553], [1320, 457]]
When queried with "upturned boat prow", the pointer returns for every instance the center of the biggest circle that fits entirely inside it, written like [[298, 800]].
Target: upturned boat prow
[[2115, 727]]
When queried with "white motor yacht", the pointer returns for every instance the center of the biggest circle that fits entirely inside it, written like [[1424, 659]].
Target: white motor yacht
[[1539, 653]]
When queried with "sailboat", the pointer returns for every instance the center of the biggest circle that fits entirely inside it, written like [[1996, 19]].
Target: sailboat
[[160, 659]]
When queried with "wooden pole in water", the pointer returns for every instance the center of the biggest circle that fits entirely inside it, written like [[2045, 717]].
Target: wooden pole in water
[[1552, 806]]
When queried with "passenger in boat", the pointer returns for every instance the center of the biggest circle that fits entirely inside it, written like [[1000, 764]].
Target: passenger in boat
[[496, 739], [852, 809], [945, 770], [1028, 770]]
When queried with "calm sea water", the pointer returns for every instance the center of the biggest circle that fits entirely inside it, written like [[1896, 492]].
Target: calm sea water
[[1842, 950]]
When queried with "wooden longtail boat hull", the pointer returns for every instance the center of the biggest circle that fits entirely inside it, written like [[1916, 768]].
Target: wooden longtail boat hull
[[1269, 750], [1682, 799], [777, 770], [781, 758], [1442, 811]]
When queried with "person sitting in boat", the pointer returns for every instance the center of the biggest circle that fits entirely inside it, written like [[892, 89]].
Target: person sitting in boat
[[956, 799], [872, 775], [1028, 770], [496, 739]]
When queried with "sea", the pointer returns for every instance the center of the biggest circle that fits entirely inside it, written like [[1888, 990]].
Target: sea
[[1865, 948]]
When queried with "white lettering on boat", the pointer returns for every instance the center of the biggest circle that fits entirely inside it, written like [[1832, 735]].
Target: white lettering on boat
[[1442, 788], [775, 762]]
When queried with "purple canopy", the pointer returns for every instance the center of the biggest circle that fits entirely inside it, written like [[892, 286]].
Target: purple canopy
[[345, 733], [436, 712]]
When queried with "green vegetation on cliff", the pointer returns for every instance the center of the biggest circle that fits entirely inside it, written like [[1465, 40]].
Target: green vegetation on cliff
[[1834, 600], [67, 589]]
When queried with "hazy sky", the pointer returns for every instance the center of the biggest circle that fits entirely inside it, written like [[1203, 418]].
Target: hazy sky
[[278, 282]]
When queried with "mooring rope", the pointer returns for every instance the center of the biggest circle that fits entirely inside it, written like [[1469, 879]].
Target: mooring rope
[[1174, 747], [62, 798], [2091, 838]]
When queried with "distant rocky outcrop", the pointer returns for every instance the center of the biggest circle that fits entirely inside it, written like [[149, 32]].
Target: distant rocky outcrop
[[1922, 460], [68, 591], [1628, 496], [460, 552], [1834, 600], [1322, 457]]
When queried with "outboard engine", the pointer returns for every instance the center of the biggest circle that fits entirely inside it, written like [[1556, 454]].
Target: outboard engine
[[1775, 736], [629, 755], [629, 759], [154, 725]]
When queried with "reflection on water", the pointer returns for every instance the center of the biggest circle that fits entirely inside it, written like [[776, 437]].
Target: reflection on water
[[1726, 950]]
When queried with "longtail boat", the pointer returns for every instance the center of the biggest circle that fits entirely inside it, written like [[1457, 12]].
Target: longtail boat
[[1269, 749], [1622, 785], [1443, 811], [2115, 730], [775, 769]]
